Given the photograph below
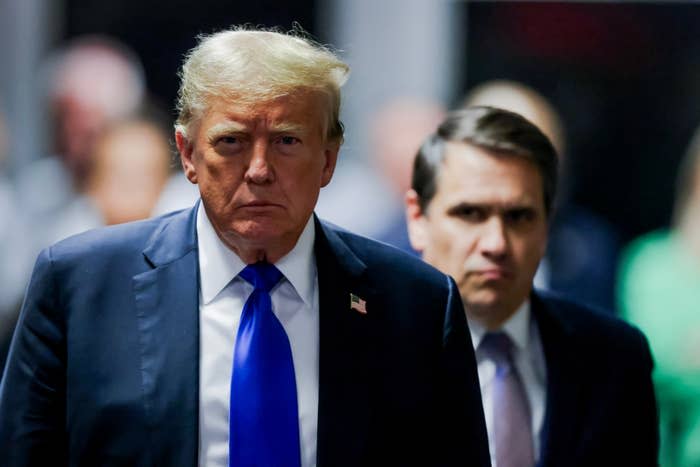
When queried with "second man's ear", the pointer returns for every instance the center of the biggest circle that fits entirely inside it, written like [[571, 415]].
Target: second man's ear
[[416, 222]]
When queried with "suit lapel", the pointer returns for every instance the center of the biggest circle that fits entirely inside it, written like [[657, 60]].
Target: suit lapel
[[563, 385], [166, 299], [345, 370]]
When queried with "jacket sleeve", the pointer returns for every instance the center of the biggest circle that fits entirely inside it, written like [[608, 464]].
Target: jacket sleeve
[[32, 392], [462, 388]]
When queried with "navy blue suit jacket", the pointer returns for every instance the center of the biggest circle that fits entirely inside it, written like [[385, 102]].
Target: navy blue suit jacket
[[600, 407], [104, 365]]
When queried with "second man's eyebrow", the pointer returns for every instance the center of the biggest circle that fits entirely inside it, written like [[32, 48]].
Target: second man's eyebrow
[[491, 207], [464, 206]]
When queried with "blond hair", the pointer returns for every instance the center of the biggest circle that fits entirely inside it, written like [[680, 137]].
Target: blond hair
[[253, 65]]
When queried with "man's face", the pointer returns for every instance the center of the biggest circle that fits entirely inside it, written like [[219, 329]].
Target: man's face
[[486, 226], [260, 168]]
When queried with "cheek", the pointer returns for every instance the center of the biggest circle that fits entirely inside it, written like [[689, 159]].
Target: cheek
[[299, 181], [447, 248], [531, 250]]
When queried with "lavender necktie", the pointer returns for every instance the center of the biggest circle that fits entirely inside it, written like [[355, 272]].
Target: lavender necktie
[[264, 422], [513, 441]]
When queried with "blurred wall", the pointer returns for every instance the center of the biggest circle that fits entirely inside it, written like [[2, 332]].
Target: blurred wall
[[27, 29], [395, 48]]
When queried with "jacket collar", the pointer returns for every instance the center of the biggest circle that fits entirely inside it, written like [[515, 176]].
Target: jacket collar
[[564, 384], [346, 368], [176, 237]]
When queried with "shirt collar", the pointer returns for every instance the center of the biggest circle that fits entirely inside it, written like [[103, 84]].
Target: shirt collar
[[517, 327], [219, 265], [299, 266]]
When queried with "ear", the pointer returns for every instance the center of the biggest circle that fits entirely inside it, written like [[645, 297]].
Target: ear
[[417, 222], [186, 150], [330, 155]]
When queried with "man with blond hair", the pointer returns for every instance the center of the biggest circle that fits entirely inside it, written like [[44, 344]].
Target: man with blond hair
[[243, 331]]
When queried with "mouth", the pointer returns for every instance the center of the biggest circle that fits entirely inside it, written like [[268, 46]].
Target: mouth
[[493, 274], [259, 205]]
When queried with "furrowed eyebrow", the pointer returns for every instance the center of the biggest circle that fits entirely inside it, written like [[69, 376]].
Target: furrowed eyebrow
[[464, 206], [225, 128], [518, 207], [288, 128], [509, 207]]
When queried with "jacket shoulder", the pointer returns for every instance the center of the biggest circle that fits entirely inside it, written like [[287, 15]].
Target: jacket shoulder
[[599, 327], [389, 261], [115, 241]]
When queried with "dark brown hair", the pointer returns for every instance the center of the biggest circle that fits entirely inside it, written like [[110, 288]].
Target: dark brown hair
[[502, 133]]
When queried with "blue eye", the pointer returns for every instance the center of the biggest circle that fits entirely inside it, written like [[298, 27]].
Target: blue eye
[[229, 144], [288, 140]]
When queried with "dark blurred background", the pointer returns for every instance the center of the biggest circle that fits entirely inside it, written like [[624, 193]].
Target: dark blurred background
[[624, 76]]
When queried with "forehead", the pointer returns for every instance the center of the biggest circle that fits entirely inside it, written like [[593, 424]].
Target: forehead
[[472, 174], [301, 108]]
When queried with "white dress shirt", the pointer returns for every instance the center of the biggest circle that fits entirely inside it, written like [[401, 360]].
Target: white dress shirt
[[222, 295], [530, 363]]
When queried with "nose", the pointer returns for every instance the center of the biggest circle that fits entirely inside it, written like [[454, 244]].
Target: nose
[[260, 169], [494, 239]]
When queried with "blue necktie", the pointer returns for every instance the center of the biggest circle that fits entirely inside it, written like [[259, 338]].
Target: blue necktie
[[264, 425]]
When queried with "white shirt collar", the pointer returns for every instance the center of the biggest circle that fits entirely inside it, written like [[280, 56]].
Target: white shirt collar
[[517, 327], [299, 265], [219, 265]]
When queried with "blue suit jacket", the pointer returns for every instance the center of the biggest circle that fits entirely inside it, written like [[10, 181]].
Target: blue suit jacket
[[104, 365], [600, 407]]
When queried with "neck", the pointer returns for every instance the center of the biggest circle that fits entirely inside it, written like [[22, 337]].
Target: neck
[[491, 318], [253, 252], [252, 249]]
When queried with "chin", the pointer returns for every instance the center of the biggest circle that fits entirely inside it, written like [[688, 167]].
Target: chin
[[483, 300], [255, 230], [260, 229]]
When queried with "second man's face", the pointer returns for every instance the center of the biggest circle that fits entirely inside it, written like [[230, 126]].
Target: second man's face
[[486, 226]]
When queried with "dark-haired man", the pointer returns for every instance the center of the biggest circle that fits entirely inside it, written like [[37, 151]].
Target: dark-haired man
[[561, 384]]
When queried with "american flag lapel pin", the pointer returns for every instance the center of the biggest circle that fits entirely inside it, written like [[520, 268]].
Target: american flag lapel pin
[[357, 304]]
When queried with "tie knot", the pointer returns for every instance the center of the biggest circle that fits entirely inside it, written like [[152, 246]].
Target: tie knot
[[262, 275], [498, 346]]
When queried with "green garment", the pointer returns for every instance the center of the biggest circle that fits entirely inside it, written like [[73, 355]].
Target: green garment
[[659, 291]]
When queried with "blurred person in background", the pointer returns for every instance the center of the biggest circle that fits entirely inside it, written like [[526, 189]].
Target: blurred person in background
[[582, 247], [659, 290], [131, 165], [396, 132], [368, 198], [562, 385], [15, 251], [89, 83]]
